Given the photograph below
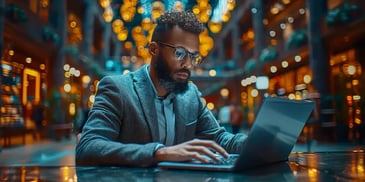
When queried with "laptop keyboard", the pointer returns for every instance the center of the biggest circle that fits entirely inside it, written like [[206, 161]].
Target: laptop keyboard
[[226, 161]]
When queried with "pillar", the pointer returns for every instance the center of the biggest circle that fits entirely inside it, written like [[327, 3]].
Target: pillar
[[259, 31], [88, 27], [319, 64], [106, 42], [58, 19]]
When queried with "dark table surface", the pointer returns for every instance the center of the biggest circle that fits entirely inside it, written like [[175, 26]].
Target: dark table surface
[[319, 166]]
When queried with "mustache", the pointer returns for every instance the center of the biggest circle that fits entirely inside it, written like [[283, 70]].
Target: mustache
[[184, 71]]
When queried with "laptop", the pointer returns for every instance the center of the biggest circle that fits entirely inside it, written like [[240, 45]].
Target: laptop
[[275, 131]]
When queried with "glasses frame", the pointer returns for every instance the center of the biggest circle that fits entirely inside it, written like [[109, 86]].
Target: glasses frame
[[195, 57]]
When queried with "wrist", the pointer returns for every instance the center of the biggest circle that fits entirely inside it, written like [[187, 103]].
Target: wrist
[[157, 152]]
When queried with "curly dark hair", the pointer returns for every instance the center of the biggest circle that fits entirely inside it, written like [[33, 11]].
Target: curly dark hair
[[185, 20]]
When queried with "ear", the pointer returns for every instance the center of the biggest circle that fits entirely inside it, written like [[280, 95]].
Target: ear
[[153, 48]]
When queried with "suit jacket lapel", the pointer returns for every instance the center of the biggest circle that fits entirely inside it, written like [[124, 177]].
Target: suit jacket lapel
[[146, 96]]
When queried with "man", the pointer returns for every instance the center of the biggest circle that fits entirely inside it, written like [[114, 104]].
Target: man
[[155, 114]]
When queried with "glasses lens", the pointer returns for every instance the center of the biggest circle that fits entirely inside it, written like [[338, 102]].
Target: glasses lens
[[180, 53]]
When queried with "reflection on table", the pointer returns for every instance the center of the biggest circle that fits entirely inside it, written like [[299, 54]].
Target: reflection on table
[[339, 166]]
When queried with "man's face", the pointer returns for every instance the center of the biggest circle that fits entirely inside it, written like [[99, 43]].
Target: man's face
[[174, 74], [169, 77]]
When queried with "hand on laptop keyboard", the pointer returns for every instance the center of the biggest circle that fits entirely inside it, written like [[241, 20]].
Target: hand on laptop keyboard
[[193, 149]]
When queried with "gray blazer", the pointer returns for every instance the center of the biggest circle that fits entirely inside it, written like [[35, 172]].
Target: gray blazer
[[122, 127]]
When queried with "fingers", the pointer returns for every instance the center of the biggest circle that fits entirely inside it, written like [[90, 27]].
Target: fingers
[[202, 154], [207, 148], [201, 150], [210, 145]]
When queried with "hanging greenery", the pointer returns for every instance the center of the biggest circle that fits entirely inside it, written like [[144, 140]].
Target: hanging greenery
[[49, 34], [250, 65], [268, 54], [72, 50], [341, 15], [15, 13], [297, 39]]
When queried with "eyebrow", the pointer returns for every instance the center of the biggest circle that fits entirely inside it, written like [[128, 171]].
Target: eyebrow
[[195, 52], [178, 46]]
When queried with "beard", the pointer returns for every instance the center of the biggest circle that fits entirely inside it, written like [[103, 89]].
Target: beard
[[166, 80]]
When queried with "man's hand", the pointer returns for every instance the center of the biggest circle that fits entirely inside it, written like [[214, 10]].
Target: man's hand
[[194, 149]]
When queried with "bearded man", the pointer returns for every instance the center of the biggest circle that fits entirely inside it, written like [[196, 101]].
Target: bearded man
[[155, 113]]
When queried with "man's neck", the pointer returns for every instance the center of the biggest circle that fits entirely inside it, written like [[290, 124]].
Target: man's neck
[[161, 91]]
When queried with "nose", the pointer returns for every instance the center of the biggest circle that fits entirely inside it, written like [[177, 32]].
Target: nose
[[188, 62]]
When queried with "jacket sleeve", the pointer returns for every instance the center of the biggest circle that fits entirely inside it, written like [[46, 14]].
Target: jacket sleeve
[[99, 144]]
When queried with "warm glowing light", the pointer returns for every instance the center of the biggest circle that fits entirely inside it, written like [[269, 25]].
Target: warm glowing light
[[297, 59], [307, 79], [72, 109], [291, 96], [244, 82], [117, 25], [86, 79], [244, 95], [147, 24], [284, 64], [250, 34], [253, 79], [212, 73], [210, 106], [92, 98], [108, 14], [67, 74], [11, 52], [286, 1], [357, 121], [273, 69], [272, 33], [312, 173], [351, 69], [302, 11], [199, 71], [254, 93], [224, 92], [105, 3], [231, 4], [122, 35], [77, 73], [67, 87], [356, 97], [282, 26], [66, 67], [226, 17], [72, 70], [276, 8], [128, 45], [42, 66], [274, 11], [28, 60], [355, 82], [215, 27], [30, 72], [178, 6]]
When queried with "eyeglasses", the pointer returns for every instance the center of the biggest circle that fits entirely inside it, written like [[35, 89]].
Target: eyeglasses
[[181, 52]]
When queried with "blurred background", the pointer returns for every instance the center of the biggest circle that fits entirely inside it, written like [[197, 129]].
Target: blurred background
[[55, 51]]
